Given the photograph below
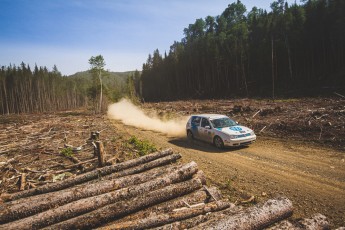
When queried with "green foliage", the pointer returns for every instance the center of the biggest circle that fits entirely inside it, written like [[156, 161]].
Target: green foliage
[[292, 49], [23, 90], [114, 84], [133, 87], [143, 146], [68, 152], [26, 90], [97, 63], [97, 69]]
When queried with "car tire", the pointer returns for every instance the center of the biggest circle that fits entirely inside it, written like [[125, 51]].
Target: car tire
[[190, 135], [218, 142]]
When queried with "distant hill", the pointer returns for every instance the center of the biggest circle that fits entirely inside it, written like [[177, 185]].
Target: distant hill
[[110, 78], [115, 83]]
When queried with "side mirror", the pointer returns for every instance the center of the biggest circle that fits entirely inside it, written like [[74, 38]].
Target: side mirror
[[237, 123], [207, 127]]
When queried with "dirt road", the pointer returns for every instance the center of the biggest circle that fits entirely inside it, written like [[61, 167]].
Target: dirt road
[[312, 177]]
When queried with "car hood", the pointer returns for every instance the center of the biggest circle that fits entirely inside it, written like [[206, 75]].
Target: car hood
[[235, 130]]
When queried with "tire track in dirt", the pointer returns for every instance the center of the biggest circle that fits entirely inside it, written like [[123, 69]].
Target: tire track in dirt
[[313, 178]]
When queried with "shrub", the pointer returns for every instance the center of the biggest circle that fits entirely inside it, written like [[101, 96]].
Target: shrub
[[143, 146]]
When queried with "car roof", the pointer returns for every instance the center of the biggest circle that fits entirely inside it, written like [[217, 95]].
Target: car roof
[[209, 116]]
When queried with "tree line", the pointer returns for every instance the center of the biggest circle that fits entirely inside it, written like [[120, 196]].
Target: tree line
[[23, 90], [292, 48]]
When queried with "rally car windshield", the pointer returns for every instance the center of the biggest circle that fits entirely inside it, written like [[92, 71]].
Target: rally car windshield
[[223, 122]]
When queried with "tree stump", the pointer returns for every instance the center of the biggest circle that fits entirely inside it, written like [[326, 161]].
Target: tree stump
[[100, 154]]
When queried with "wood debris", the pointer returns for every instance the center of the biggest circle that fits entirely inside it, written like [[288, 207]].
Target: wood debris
[[146, 192]]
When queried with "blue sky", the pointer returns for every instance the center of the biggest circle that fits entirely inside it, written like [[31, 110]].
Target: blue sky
[[68, 32]]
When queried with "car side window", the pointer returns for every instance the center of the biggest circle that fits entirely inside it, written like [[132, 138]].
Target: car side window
[[196, 121], [205, 123]]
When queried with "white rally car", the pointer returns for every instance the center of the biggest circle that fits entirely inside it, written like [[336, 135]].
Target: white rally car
[[219, 130]]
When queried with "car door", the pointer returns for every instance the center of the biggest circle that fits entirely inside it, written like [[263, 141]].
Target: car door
[[195, 126], [205, 130]]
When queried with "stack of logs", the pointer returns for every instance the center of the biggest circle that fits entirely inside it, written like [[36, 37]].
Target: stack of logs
[[147, 192]]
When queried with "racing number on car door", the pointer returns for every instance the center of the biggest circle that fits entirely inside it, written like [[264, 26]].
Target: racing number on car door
[[204, 130]]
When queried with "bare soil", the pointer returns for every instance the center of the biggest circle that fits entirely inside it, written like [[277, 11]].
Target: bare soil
[[299, 153]]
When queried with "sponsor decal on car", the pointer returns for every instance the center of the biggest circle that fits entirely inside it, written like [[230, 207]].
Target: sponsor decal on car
[[235, 128]]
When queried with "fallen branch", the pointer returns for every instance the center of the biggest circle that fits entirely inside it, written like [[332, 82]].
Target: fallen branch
[[263, 129], [89, 204], [33, 171], [90, 175], [10, 161], [256, 113], [256, 217], [338, 94], [249, 200], [210, 193], [80, 163], [110, 160], [76, 161], [320, 132]]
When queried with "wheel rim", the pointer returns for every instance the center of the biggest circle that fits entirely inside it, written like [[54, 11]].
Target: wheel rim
[[218, 142], [190, 135]]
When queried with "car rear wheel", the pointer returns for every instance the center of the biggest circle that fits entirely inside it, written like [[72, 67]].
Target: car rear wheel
[[218, 142], [190, 135]]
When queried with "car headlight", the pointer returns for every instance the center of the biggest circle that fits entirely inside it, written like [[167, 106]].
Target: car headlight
[[252, 133], [232, 136]]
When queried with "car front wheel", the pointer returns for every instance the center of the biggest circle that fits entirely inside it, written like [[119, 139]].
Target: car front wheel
[[218, 142], [190, 135]]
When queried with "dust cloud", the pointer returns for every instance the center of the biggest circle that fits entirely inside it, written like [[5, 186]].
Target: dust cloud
[[129, 114]]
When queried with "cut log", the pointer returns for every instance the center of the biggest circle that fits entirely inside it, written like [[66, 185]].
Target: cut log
[[90, 175], [194, 221], [284, 225], [116, 210], [256, 217], [192, 198], [181, 214], [316, 222], [31, 205], [94, 136], [88, 204]]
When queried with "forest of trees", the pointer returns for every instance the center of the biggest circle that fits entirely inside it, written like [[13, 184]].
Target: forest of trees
[[298, 48], [25, 91]]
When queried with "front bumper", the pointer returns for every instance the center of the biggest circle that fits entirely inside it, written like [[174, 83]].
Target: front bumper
[[240, 141]]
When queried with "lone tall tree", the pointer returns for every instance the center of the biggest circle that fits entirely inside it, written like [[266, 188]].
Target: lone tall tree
[[97, 67]]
